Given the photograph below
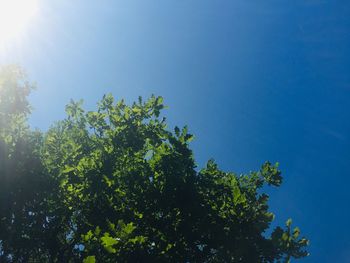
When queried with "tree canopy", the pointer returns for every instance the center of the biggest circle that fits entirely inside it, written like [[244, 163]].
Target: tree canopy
[[117, 185]]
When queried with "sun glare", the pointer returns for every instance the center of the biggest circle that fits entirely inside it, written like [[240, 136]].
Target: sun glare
[[15, 16]]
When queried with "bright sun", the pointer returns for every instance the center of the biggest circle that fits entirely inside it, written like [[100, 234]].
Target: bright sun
[[15, 15]]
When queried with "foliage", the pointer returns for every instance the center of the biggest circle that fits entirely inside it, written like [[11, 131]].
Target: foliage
[[24, 185], [115, 185]]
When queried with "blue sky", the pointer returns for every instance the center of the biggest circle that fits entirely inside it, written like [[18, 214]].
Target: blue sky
[[254, 80]]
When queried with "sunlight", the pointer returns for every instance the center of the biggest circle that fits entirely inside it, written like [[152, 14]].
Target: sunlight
[[15, 16]]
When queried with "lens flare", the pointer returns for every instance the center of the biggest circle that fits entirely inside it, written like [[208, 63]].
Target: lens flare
[[15, 16]]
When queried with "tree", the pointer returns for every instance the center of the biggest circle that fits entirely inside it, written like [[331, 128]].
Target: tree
[[24, 186], [121, 187]]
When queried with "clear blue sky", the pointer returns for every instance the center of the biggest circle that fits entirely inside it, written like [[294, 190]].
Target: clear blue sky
[[254, 80]]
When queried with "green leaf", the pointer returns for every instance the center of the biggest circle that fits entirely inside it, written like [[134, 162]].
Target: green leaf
[[97, 231], [108, 243], [68, 169], [177, 131], [88, 236], [129, 228], [89, 259]]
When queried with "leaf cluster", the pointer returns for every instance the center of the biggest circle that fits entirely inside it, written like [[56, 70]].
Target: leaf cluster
[[116, 185]]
